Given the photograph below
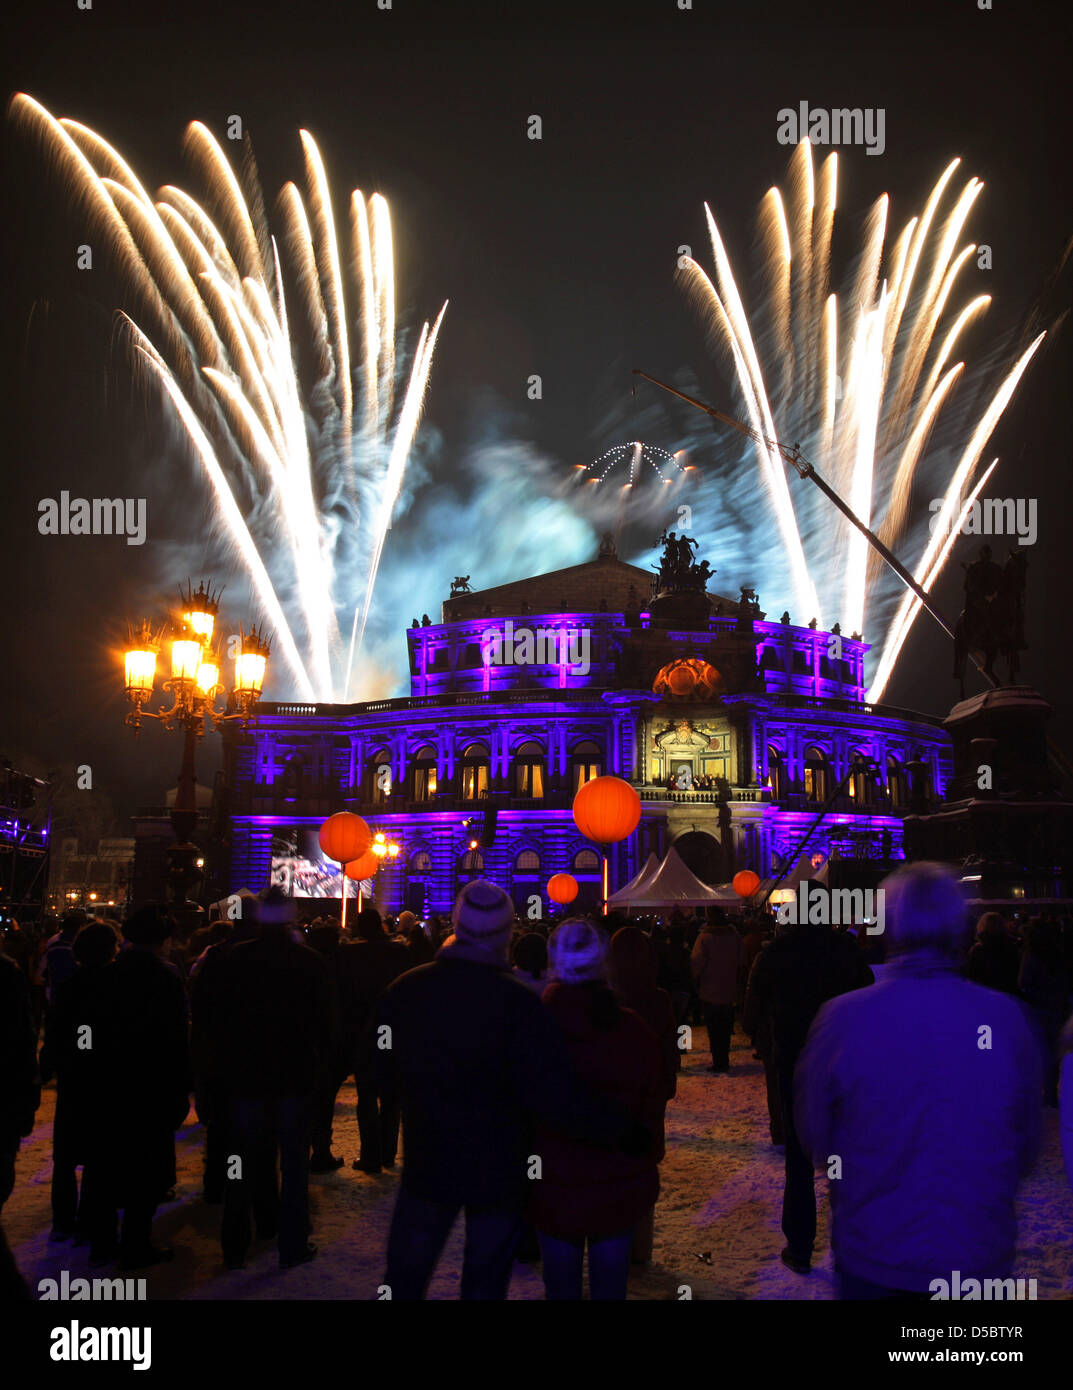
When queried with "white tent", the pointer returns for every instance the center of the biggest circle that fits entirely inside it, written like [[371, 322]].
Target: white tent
[[673, 885], [625, 894]]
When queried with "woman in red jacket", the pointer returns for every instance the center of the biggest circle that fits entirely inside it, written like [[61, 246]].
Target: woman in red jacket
[[586, 1195]]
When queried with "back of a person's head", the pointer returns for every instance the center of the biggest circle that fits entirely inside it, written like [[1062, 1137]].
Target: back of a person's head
[[632, 960], [578, 952], [531, 954], [96, 944], [73, 920], [715, 917], [483, 916], [677, 935], [368, 926], [149, 926], [991, 927], [924, 909]]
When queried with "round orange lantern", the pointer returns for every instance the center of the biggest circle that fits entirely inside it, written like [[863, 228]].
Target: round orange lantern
[[345, 837], [363, 868], [746, 883], [606, 810], [562, 888]]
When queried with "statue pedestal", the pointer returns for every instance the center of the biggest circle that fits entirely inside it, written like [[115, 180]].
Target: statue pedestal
[[677, 608]]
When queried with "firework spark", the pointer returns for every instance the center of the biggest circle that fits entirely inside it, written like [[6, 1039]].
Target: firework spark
[[860, 385], [304, 470]]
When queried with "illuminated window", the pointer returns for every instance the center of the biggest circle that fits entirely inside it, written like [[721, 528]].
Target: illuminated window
[[817, 774], [380, 778], [587, 861], [424, 773], [474, 772], [586, 763], [529, 770], [421, 862], [896, 788], [472, 862], [527, 862], [775, 773]]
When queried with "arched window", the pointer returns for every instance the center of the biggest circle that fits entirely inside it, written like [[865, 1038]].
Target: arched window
[[896, 783], [474, 772], [472, 862], [586, 763], [817, 774], [528, 862], [529, 770], [380, 777], [423, 771], [587, 861], [776, 773], [861, 785]]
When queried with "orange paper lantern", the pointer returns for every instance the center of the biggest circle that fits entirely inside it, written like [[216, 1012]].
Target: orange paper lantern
[[606, 810], [344, 837], [562, 888], [363, 868], [746, 883]]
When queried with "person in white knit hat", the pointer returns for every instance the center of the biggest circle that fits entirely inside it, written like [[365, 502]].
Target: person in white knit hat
[[476, 1061], [588, 1198]]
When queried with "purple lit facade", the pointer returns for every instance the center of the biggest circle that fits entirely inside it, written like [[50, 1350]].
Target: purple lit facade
[[775, 738]]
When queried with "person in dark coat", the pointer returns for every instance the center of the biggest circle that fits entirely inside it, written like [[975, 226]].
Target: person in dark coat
[[1044, 985], [324, 938], [210, 1095], [272, 1030], [20, 1084], [793, 975], [633, 972], [675, 974], [367, 967], [588, 1198], [476, 1059], [81, 1015], [144, 1066], [994, 959], [716, 961]]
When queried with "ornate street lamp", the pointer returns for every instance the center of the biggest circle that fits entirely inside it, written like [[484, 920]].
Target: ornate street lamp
[[194, 686]]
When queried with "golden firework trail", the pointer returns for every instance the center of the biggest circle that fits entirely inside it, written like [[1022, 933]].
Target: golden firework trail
[[862, 384], [305, 463]]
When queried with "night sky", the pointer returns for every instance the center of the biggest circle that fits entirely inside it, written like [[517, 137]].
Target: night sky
[[557, 257]]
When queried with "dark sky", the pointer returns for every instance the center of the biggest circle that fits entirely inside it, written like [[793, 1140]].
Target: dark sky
[[556, 255]]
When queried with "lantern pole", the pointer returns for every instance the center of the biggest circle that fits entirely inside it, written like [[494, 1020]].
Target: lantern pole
[[342, 929], [606, 881]]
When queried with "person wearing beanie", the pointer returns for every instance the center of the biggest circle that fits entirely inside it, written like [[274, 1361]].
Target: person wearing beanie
[[937, 1126], [476, 1061], [585, 1196]]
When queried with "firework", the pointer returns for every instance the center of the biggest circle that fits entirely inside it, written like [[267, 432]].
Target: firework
[[635, 453], [864, 384], [305, 463]]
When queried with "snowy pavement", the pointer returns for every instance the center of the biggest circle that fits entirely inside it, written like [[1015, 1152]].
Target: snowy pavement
[[721, 1197]]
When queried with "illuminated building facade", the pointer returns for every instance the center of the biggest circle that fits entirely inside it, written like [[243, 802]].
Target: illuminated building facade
[[522, 692]]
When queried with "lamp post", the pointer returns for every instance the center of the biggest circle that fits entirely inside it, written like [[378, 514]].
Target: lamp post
[[194, 686]]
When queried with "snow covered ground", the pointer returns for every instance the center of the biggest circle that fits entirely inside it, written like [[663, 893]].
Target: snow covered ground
[[722, 1190]]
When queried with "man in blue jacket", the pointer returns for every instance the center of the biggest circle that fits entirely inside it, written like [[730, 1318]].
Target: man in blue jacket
[[921, 1099]]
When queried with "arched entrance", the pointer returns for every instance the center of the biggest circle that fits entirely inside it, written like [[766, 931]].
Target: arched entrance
[[702, 854]]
